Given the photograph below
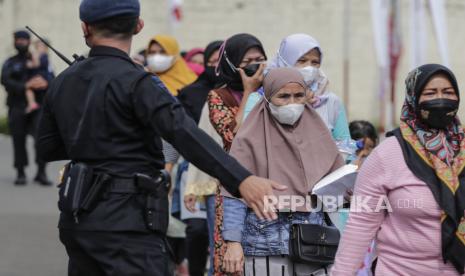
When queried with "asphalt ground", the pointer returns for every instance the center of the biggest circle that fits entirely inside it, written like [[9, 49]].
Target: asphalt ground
[[29, 243]]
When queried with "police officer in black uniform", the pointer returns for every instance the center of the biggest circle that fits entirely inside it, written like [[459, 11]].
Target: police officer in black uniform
[[107, 115], [16, 78]]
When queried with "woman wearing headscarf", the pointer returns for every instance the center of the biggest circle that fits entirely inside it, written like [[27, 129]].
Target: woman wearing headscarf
[[164, 60], [304, 52], [418, 173], [240, 72], [195, 60], [194, 96], [283, 139]]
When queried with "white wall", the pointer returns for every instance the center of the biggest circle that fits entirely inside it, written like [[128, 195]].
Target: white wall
[[269, 20]]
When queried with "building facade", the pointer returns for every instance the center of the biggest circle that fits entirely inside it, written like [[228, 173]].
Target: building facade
[[270, 20]]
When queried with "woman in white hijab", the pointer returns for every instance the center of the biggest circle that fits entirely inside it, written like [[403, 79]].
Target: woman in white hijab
[[304, 52]]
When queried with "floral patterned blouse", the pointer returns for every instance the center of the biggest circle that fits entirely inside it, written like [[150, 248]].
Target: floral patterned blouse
[[223, 107], [223, 110]]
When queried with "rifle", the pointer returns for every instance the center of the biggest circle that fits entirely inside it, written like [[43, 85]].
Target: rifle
[[65, 59]]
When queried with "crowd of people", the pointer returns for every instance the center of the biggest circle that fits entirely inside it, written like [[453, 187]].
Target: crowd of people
[[280, 119]]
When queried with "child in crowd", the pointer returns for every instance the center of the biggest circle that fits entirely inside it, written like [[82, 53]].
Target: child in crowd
[[38, 64], [364, 133]]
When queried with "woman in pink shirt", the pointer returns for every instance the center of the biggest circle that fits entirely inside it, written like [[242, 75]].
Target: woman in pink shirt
[[419, 174]]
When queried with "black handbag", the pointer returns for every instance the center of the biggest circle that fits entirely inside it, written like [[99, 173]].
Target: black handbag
[[314, 243]]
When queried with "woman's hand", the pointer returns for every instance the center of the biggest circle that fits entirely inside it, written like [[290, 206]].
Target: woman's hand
[[189, 201], [251, 84], [322, 83], [311, 99], [233, 260], [362, 154], [348, 195]]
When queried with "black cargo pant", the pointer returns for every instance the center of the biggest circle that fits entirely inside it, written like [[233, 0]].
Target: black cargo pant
[[98, 253], [22, 124]]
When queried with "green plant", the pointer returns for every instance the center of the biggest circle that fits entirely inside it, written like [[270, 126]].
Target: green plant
[[4, 125]]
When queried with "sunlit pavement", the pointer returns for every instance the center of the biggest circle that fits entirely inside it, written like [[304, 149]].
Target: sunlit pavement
[[29, 243]]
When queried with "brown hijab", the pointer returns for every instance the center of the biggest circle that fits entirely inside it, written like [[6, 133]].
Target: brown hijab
[[296, 156]]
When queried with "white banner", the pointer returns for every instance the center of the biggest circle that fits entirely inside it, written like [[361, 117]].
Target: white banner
[[438, 14], [379, 17], [418, 43]]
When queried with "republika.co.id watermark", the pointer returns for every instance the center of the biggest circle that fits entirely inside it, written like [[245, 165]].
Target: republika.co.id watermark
[[359, 203]]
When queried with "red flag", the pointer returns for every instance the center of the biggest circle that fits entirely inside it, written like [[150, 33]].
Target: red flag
[[395, 51], [176, 10]]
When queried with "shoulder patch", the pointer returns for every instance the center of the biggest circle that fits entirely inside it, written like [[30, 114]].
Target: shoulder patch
[[159, 83]]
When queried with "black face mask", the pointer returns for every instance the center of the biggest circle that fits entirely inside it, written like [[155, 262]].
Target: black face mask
[[22, 49], [251, 69], [211, 74], [438, 113]]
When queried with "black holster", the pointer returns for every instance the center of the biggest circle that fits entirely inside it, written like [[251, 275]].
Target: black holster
[[80, 189], [157, 204]]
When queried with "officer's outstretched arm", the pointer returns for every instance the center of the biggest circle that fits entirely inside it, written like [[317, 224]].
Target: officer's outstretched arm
[[160, 111]]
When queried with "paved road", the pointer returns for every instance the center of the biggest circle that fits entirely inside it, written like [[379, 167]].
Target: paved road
[[29, 242]]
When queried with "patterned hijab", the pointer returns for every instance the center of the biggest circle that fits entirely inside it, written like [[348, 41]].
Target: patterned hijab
[[437, 156]]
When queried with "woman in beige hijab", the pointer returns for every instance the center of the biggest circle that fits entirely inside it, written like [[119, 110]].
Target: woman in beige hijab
[[285, 140]]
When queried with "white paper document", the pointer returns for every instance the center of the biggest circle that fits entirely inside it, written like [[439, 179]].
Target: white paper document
[[337, 183]]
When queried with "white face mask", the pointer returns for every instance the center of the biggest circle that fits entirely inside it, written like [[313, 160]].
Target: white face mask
[[159, 63], [287, 114], [311, 76]]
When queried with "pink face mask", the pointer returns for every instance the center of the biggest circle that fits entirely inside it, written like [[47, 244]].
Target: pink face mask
[[197, 68]]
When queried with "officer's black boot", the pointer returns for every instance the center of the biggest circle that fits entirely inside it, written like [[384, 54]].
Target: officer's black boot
[[21, 177], [41, 177]]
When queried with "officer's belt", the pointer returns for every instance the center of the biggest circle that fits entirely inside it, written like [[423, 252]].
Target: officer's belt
[[123, 185]]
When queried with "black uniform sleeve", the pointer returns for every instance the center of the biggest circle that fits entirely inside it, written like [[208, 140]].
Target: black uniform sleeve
[[160, 111], [50, 145], [11, 85], [185, 103]]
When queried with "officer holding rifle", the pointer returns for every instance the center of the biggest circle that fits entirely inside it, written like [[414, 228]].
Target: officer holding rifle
[[107, 115]]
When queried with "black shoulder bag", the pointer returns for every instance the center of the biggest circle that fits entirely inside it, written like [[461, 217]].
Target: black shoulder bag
[[314, 243]]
